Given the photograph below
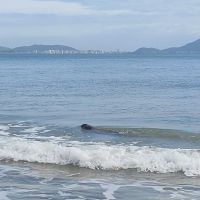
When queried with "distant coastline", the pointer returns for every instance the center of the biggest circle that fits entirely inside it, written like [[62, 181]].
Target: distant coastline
[[190, 49]]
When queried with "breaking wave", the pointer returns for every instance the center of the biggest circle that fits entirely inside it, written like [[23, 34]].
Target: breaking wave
[[101, 156]]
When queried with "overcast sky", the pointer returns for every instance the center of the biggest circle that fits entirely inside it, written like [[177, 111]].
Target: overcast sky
[[99, 24]]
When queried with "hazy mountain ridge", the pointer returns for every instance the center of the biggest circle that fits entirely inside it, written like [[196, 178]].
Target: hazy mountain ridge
[[40, 49], [192, 48], [4, 49], [146, 51]]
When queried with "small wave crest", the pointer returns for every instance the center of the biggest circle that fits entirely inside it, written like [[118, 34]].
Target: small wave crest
[[155, 133], [102, 156]]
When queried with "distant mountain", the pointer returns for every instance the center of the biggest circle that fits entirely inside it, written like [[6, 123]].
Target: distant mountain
[[4, 49], [147, 51], [192, 48], [51, 49]]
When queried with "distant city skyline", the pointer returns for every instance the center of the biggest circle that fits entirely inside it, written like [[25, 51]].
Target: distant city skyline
[[105, 25]]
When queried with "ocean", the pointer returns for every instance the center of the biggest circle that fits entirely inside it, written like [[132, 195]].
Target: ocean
[[145, 143]]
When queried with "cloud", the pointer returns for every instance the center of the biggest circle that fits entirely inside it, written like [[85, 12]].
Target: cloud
[[42, 7], [107, 8], [109, 22], [55, 7]]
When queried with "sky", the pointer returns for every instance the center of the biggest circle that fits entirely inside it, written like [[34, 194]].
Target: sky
[[100, 24]]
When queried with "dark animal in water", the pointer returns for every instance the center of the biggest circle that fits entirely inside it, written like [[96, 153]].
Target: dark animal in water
[[86, 127]]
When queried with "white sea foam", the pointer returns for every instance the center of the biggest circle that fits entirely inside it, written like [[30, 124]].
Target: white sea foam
[[110, 189], [165, 191], [3, 195], [102, 156], [4, 127], [4, 133], [18, 126], [34, 130]]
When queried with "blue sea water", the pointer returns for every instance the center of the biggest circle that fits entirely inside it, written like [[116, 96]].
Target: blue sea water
[[147, 114]]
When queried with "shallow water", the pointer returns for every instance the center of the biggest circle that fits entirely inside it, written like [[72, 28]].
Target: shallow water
[[147, 115]]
